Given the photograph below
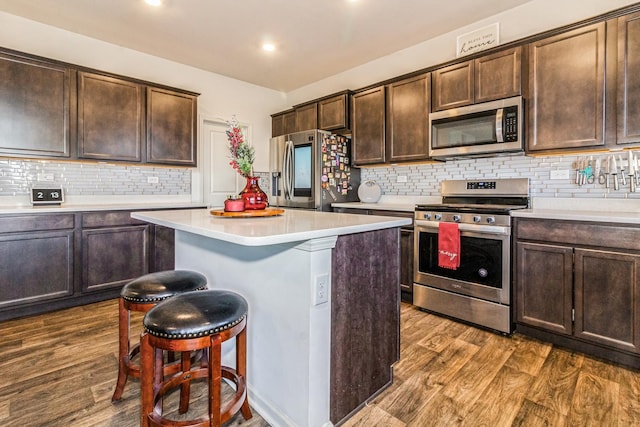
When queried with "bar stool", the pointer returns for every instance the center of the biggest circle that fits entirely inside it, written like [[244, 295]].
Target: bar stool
[[189, 322], [141, 295]]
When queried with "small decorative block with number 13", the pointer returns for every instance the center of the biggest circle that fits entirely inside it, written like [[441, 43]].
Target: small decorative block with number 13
[[47, 196]]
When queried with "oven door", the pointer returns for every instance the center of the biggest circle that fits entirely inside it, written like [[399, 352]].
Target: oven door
[[485, 261]]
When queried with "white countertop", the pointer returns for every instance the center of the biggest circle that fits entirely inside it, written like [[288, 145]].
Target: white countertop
[[293, 226], [391, 203], [624, 211], [68, 208], [580, 215]]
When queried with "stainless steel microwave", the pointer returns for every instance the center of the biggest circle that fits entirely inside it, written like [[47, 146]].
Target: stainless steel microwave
[[478, 130]]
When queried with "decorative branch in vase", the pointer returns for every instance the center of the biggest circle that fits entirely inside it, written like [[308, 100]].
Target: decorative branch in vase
[[242, 157]]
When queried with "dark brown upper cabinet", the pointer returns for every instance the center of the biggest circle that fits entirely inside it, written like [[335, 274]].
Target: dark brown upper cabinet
[[490, 77], [567, 90], [171, 127], [110, 118], [307, 117], [498, 75], [330, 113], [283, 123], [453, 86], [408, 107], [368, 126], [50, 109], [333, 112], [35, 107], [628, 91]]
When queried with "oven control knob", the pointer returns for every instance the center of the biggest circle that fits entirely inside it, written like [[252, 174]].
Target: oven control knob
[[427, 216], [483, 272], [456, 218], [491, 220], [476, 218], [438, 217]]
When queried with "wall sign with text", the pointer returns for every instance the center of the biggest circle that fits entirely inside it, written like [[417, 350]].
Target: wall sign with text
[[477, 40]]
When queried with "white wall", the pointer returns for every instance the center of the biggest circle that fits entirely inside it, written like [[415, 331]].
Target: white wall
[[528, 19], [221, 97]]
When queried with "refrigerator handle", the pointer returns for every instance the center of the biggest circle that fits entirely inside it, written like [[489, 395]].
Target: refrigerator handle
[[286, 169]]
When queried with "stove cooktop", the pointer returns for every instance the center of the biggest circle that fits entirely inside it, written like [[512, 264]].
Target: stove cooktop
[[498, 196]]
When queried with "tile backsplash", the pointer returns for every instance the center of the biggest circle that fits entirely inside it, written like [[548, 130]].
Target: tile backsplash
[[424, 179], [88, 179], [17, 176]]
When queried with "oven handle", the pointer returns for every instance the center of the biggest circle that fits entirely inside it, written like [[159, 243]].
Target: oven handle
[[487, 229]]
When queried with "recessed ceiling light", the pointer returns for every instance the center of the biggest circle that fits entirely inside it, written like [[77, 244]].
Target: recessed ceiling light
[[153, 2], [269, 47]]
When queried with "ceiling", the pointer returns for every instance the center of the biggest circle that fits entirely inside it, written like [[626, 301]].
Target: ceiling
[[315, 39]]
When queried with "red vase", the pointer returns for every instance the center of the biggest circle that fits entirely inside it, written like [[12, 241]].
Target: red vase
[[253, 196]]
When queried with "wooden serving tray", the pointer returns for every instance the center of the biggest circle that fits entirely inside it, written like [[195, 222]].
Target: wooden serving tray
[[247, 213]]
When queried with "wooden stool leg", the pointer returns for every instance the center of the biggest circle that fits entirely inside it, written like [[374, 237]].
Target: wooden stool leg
[[185, 388], [123, 350], [215, 380], [241, 367], [147, 375]]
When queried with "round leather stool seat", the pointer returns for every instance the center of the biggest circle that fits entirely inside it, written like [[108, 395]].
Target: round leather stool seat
[[193, 315], [194, 322], [159, 286], [141, 295]]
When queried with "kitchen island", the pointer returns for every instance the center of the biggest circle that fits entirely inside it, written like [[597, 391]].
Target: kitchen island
[[323, 293]]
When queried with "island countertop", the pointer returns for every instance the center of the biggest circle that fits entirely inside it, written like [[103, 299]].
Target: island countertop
[[293, 226]]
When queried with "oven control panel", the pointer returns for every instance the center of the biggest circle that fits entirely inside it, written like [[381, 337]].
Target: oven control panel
[[464, 218], [481, 185]]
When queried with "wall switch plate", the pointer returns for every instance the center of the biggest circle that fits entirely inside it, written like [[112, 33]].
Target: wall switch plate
[[152, 180], [402, 178], [321, 289], [559, 174]]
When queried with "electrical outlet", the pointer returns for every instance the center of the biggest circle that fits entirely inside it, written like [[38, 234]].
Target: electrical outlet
[[559, 174], [45, 177], [152, 180], [402, 178], [321, 289]]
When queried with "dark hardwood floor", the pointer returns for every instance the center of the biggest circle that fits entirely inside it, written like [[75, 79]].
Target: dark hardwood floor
[[59, 369]]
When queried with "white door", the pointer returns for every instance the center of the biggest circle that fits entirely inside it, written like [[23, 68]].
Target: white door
[[219, 179]]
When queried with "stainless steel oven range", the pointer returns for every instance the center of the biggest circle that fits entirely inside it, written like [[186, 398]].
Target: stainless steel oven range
[[479, 290]]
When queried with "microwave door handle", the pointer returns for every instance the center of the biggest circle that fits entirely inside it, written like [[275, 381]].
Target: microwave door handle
[[499, 131]]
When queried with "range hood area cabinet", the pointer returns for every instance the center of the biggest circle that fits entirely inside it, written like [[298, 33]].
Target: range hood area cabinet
[[577, 285], [488, 78], [390, 122], [58, 110]]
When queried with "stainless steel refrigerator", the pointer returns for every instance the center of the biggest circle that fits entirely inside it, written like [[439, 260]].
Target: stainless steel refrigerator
[[311, 170]]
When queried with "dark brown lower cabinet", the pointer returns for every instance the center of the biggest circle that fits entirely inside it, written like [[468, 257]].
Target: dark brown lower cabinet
[[54, 261], [113, 256], [406, 247], [163, 248], [365, 318], [35, 267], [577, 285]]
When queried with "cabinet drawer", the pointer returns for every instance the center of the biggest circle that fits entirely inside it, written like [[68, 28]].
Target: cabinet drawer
[[108, 219], [619, 236], [43, 222]]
